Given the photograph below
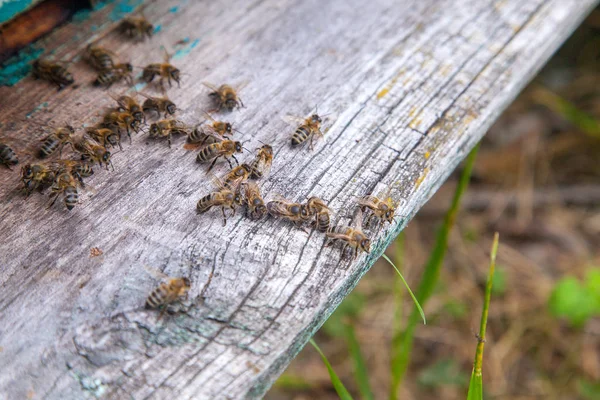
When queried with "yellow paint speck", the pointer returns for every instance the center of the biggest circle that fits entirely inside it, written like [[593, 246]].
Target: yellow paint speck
[[427, 155], [383, 92], [421, 178]]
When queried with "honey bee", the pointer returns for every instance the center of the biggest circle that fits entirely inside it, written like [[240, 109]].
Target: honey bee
[[236, 176], [224, 96], [224, 197], [7, 156], [106, 137], [261, 165], [66, 184], [164, 70], [121, 121], [110, 76], [36, 175], [92, 151], [158, 105], [51, 72], [218, 130], [293, 212], [136, 28], [79, 169], [167, 127], [175, 289], [130, 105], [310, 127], [379, 210], [351, 236], [99, 58], [224, 148], [255, 204], [57, 140], [319, 209]]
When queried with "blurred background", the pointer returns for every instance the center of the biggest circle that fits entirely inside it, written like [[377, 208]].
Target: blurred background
[[536, 181]]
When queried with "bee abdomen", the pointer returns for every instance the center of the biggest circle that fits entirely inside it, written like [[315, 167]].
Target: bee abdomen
[[323, 222], [207, 153], [300, 136], [105, 78], [48, 147], [204, 204], [7, 155], [71, 197], [255, 172], [157, 297]]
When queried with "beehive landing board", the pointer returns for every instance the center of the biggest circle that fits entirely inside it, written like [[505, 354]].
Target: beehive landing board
[[409, 88]]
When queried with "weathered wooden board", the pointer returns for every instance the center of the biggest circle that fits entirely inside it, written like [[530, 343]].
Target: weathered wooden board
[[409, 88]]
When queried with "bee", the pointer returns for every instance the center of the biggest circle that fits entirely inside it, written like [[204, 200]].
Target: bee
[[307, 130], [319, 209], [351, 236], [261, 165], [380, 210], [164, 70], [66, 184], [36, 175], [79, 169], [166, 127], [121, 121], [224, 148], [99, 58], [236, 176], [110, 76], [56, 140], [7, 156], [51, 72], [255, 204], [136, 28], [106, 137], [130, 105], [224, 96], [158, 105], [218, 130], [284, 209], [224, 197], [92, 151]]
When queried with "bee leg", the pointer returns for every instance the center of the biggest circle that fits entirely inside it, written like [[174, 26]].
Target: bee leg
[[242, 103], [53, 201], [230, 166], [355, 253], [311, 142], [224, 217], [169, 140], [236, 160], [213, 164]]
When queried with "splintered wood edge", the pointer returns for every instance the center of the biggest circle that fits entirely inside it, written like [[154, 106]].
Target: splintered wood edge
[[409, 90]]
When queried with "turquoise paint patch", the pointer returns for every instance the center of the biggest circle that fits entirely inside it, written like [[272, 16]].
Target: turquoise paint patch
[[173, 9], [11, 8], [139, 86], [185, 50], [122, 8], [81, 15], [18, 67], [157, 28], [36, 109]]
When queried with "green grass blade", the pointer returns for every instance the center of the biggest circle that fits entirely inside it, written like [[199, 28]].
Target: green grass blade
[[360, 368], [337, 383], [585, 122], [476, 384], [395, 348], [434, 264], [417, 305]]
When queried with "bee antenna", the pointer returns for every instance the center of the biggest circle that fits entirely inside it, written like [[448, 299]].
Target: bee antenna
[[238, 131], [245, 148], [261, 141]]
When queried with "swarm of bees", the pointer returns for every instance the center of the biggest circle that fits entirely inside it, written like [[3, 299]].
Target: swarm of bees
[[238, 188]]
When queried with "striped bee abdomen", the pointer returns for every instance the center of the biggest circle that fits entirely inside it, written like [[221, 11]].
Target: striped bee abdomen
[[71, 197], [49, 146], [322, 222], [7, 155], [300, 136], [207, 153], [205, 203], [157, 297]]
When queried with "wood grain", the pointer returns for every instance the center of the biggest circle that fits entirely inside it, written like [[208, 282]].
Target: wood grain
[[409, 87]]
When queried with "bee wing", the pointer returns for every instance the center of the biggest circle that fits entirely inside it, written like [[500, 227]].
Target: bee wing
[[208, 115], [211, 86], [241, 85], [277, 208], [293, 119], [216, 181], [358, 219], [156, 273]]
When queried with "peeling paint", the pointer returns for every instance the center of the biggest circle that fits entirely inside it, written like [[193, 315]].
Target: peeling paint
[[17, 67], [421, 178], [187, 49], [36, 109]]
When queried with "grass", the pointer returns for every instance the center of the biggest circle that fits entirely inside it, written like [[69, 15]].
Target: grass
[[430, 275], [335, 380], [476, 383]]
